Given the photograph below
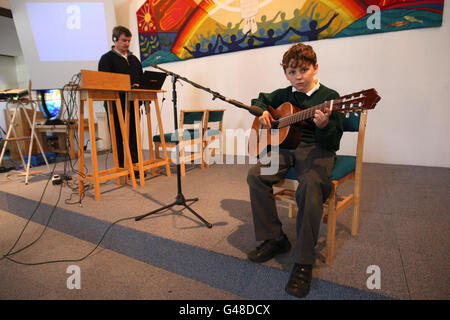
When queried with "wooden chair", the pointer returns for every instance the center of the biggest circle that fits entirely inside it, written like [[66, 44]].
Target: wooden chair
[[347, 167], [190, 133], [212, 131]]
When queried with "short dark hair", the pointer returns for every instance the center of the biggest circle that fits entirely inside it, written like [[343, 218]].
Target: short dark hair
[[301, 54], [118, 31]]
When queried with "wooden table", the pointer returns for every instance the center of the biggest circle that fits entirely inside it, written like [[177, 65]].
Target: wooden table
[[61, 130], [147, 96]]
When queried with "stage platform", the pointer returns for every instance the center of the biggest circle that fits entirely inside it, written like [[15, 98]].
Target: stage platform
[[404, 230]]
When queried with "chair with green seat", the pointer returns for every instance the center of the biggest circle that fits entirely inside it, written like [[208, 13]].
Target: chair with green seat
[[346, 167], [212, 141], [190, 133]]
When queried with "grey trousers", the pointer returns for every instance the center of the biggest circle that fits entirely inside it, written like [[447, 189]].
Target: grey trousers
[[313, 167]]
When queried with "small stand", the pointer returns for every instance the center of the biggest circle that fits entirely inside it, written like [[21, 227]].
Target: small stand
[[179, 200], [12, 135]]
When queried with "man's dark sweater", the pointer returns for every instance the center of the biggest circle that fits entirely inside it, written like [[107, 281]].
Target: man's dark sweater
[[328, 137], [112, 61]]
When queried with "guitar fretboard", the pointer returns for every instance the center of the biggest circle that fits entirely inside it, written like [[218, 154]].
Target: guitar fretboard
[[302, 115]]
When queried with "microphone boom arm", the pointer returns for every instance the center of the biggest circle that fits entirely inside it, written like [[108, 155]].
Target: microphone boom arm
[[252, 109]]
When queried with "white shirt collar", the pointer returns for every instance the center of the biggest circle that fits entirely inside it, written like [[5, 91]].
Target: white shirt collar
[[123, 55], [314, 89]]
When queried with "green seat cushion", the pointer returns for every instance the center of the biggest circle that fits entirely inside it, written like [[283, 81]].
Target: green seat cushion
[[342, 167], [173, 137]]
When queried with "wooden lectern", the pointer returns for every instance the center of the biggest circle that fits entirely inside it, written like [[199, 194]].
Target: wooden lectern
[[103, 86]]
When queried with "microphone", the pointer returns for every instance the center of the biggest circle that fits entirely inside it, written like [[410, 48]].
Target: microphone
[[254, 110]]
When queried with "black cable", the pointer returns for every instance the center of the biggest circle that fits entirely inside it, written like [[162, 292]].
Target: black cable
[[37, 207], [71, 260], [29, 219], [67, 157]]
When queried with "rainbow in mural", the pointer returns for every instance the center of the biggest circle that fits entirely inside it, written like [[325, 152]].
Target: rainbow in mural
[[175, 30]]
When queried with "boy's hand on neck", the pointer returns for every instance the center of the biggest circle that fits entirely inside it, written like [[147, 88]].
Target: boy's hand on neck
[[321, 118]]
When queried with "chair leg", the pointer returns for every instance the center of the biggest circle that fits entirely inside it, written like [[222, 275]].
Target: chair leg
[[202, 163], [291, 213], [356, 201], [182, 160], [205, 156], [331, 228], [156, 149]]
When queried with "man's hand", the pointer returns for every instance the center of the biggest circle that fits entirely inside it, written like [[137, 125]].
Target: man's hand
[[321, 118], [266, 119]]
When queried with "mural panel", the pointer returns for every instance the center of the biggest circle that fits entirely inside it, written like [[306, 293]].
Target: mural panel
[[175, 30]]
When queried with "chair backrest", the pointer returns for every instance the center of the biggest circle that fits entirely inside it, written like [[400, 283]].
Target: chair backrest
[[188, 117], [192, 120], [356, 122], [351, 121], [214, 117]]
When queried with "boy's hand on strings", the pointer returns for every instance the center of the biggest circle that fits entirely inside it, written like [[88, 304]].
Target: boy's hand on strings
[[266, 119]]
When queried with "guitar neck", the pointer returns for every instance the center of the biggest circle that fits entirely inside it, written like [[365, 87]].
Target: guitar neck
[[303, 115]]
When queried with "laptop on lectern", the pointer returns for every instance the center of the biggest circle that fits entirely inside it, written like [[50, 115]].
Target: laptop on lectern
[[153, 80]]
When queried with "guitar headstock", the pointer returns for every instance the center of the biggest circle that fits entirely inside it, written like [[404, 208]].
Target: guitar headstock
[[362, 100]]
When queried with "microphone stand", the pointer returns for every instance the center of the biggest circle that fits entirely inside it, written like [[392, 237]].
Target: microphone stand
[[179, 200]]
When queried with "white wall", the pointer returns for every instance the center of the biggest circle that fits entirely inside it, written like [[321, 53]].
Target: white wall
[[409, 69]]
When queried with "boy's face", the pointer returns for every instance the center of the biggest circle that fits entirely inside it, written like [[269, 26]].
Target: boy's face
[[301, 76]]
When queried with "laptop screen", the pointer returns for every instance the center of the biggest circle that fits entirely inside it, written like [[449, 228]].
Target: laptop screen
[[153, 80]]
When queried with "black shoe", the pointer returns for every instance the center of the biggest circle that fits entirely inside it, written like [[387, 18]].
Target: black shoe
[[300, 281], [269, 249]]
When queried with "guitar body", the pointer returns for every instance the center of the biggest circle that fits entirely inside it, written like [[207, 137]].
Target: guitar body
[[261, 138]]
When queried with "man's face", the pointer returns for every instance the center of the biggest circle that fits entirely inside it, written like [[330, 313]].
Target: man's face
[[301, 76], [122, 44]]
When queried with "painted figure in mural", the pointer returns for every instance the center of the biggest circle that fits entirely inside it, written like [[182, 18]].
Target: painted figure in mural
[[249, 10], [270, 40], [234, 44], [211, 49], [313, 159], [313, 32]]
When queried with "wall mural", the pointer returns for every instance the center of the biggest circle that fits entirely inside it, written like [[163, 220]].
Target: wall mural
[[175, 30]]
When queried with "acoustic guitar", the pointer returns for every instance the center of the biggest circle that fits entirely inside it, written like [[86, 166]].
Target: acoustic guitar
[[289, 119]]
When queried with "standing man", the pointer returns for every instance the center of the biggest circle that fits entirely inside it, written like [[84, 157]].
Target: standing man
[[120, 60]]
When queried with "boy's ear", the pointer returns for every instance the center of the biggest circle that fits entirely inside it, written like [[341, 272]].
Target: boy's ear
[[316, 68]]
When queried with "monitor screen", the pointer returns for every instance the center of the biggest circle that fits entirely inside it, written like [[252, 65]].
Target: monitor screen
[[50, 103]]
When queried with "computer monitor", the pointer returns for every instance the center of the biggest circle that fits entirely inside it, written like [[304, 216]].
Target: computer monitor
[[50, 103]]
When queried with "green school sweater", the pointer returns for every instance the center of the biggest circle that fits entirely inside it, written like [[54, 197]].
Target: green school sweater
[[328, 137]]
